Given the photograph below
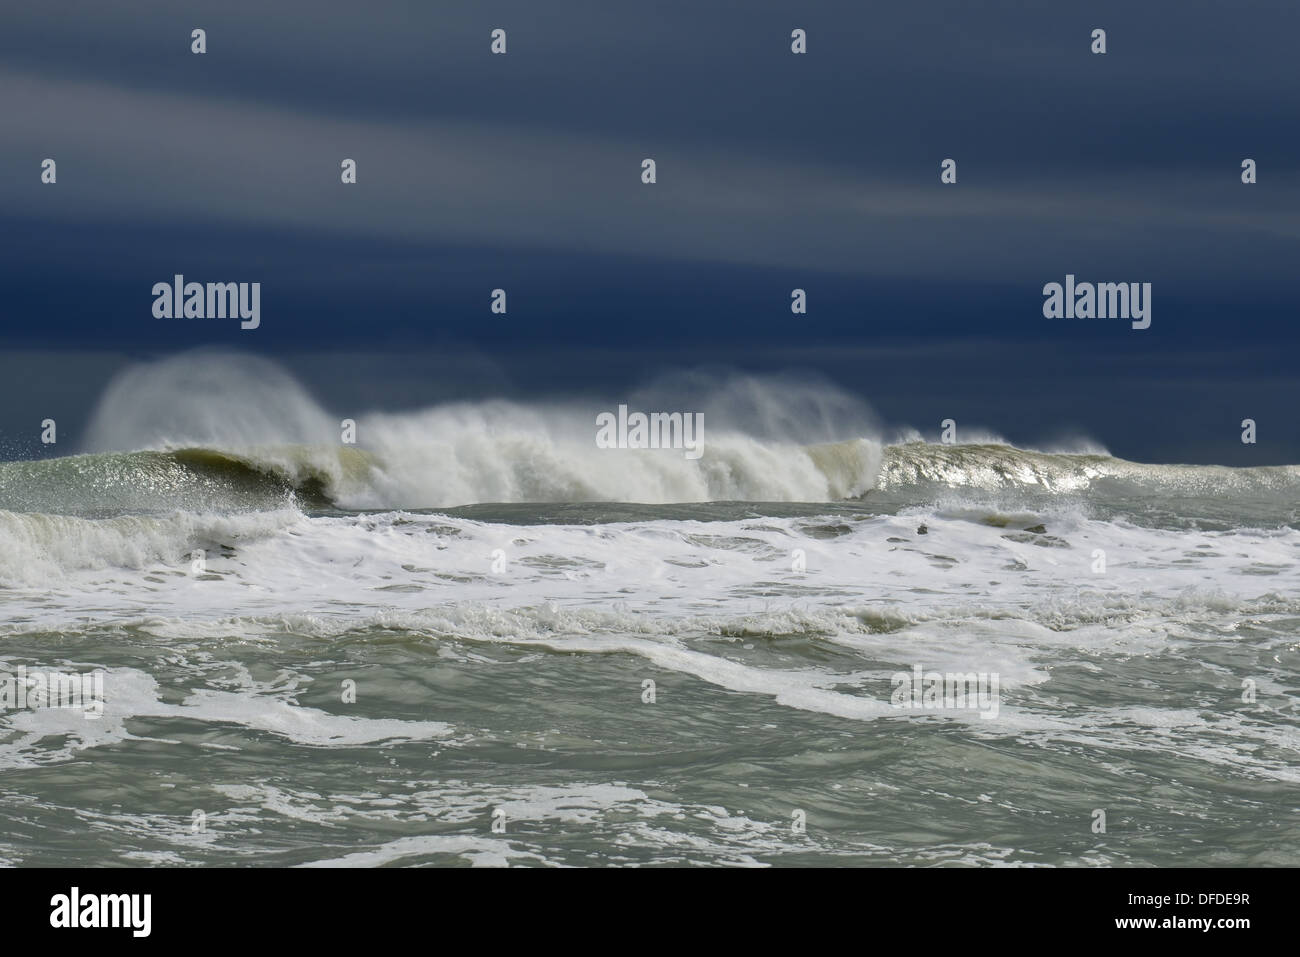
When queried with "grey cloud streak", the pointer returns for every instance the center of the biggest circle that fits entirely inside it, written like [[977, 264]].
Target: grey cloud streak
[[131, 153]]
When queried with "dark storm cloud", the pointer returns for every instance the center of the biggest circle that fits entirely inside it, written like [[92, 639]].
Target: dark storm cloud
[[766, 158], [1013, 76], [775, 171]]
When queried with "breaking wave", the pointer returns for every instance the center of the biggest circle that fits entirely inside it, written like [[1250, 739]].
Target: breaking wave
[[219, 433]]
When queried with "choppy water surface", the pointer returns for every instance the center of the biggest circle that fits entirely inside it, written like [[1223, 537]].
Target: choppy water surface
[[501, 656]]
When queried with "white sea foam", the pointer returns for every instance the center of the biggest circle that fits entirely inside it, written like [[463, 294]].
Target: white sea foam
[[969, 595], [48, 735]]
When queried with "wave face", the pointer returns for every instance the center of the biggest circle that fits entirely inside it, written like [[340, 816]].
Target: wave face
[[931, 468], [486, 462], [507, 468]]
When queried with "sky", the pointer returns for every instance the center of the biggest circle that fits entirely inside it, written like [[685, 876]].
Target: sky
[[775, 171]]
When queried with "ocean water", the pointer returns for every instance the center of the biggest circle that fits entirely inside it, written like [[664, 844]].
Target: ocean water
[[307, 659]]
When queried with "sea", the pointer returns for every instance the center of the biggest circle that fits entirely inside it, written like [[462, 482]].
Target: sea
[[471, 640]]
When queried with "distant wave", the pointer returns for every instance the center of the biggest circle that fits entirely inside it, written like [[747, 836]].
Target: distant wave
[[212, 432], [193, 479], [512, 469], [924, 469], [530, 469]]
